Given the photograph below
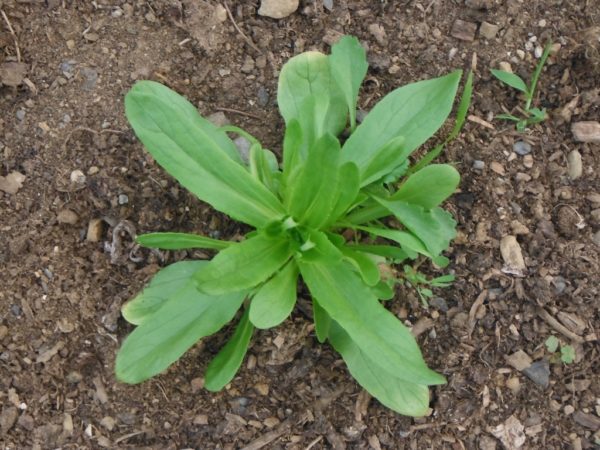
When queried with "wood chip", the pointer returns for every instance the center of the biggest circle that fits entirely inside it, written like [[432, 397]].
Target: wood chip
[[513, 258], [465, 31], [590, 421], [12, 73], [519, 360], [480, 121], [497, 167], [48, 354]]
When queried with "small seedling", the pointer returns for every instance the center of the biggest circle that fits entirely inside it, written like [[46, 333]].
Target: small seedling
[[422, 285], [300, 210], [566, 354], [532, 115]]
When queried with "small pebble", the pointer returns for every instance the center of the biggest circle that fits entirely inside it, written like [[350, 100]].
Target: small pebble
[[200, 419], [263, 96], [328, 4], [78, 177], [586, 131], [569, 410], [596, 238], [522, 148], [95, 230], [123, 199], [574, 165], [511, 254], [505, 66], [67, 216], [20, 114], [16, 310], [513, 384], [478, 164], [538, 52], [278, 9]]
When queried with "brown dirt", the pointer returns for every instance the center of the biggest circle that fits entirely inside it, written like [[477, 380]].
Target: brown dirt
[[60, 294]]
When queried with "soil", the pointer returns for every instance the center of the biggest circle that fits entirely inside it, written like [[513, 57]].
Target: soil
[[60, 292]]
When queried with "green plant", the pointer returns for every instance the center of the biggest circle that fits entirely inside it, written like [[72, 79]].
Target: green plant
[[532, 115], [422, 285], [299, 212], [566, 354]]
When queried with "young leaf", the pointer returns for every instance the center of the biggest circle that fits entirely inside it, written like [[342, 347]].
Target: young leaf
[[309, 199], [410, 244], [373, 328], [192, 150], [349, 66], [552, 343], [383, 291], [406, 398], [186, 316], [225, 365], [292, 142], [415, 111], [160, 289], [309, 75], [567, 354], [511, 79], [429, 186], [435, 228], [178, 241], [322, 321], [236, 267], [275, 300], [319, 248]]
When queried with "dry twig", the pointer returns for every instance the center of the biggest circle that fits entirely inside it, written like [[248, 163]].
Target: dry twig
[[12, 32], [246, 38]]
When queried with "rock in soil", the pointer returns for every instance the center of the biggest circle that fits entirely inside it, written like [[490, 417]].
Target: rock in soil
[[12, 73], [465, 31], [539, 373], [519, 360], [574, 165], [67, 216], [95, 230], [277, 9], [511, 253], [8, 418], [488, 30], [522, 148], [588, 131]]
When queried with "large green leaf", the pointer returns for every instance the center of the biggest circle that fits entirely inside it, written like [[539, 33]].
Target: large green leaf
[[349, 66], [166, 281], [310, 196], [184, 317], [178, 241], [197, 154], [346, 191], [225, 365], [244, 265], [292, 141], [385, 160], [322, 321], [435, 228], [274, 300], [415, 111], [429, 187], [364, 263], [373, 328], [404, 397], [307, 92]]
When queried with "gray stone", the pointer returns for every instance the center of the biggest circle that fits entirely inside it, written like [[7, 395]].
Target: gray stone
[[478, 165], [20, 114], [587, 131], [522, 148], [539, 372], [123, 199], [263, 96]]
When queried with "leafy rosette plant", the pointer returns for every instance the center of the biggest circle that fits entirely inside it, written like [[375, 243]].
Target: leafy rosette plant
[[301, 209]]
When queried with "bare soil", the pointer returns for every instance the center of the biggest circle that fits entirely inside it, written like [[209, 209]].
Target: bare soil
[[60, 294]]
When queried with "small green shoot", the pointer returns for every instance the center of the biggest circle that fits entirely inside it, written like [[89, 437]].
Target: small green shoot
[[531, 115], [422, 285], [300, 208], [566, 353]]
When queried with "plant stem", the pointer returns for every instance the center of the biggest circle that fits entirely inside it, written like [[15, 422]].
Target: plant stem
[[536, 75], [234, 129]]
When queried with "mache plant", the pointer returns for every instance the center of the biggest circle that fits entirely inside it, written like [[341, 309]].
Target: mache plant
[[531, 115], [321, 215]]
